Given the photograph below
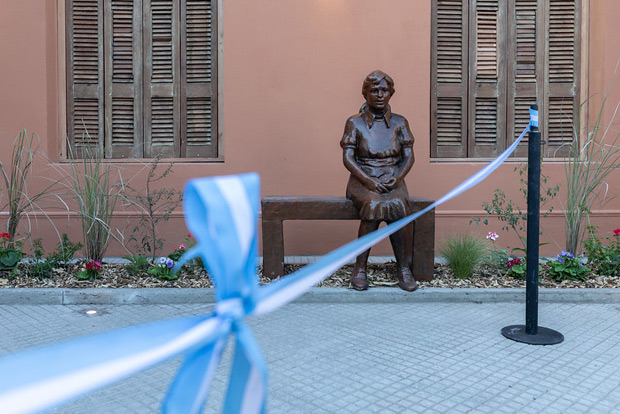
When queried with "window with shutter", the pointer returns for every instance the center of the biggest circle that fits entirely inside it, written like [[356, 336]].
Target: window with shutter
[[142, 78], [491, 60]]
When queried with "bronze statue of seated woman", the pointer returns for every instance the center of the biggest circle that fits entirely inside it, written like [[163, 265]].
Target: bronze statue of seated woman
[[378, 151]]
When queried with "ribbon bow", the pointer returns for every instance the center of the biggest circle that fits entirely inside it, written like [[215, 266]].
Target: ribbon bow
[[222, 213]]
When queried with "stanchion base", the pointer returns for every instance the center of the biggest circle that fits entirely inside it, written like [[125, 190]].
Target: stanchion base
[[545, 336]]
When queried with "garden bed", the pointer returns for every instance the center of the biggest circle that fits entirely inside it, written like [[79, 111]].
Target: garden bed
[[116, 276]]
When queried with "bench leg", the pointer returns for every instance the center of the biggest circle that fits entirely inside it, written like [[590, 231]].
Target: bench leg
[[424, 247], [409, 231], [273, 248]]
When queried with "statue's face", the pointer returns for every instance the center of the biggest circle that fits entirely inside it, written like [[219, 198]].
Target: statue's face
[[378, 96]]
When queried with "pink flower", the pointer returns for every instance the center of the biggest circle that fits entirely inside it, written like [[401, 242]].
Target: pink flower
[[492, 235], [513, 262], [181, 246], [94, 266], [616, 232]]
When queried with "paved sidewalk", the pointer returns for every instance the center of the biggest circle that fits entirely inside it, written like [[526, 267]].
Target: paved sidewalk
[[408, 356]]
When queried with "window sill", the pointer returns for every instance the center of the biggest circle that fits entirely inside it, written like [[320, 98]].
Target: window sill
[[512, 160], [142, 161]]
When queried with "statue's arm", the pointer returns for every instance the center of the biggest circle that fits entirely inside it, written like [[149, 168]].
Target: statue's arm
[[406, 163], [407, 157]]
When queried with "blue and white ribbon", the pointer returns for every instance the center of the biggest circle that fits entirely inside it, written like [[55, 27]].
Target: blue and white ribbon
[[222, 213]]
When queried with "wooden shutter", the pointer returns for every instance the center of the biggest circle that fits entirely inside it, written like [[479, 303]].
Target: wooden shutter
[[85, 76], [449, 60], [487, 81], [198, 78], [526, 48], [123, 79], [561, 75], [161, 78]]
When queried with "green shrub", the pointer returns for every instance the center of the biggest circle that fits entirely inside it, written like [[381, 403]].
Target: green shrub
[[464, 253], [138, 263], [604, 258], [59, 258], [64, 252], [154, 204], [509, 213]]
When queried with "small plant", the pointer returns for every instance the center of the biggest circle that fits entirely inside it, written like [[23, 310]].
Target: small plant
[[154, 205], [91, 271], [59, 258], [187, 244], [509, 213], [40, 267], [464, 254], [497, 257], [162, 269], [178, 252], [64, 252], [604, 258], [516, 267], [10, 253], [138, 263], [567, 266]]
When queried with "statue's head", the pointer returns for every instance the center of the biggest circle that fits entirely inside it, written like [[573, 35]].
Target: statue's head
[[377, 89]]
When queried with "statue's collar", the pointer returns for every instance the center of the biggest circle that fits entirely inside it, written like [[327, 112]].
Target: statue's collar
[[369, 117]]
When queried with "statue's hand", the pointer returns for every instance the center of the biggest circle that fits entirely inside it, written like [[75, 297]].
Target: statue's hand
[[391, 183], [377, 186]]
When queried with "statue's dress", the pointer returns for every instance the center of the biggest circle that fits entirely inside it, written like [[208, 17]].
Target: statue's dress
[[378, 142]]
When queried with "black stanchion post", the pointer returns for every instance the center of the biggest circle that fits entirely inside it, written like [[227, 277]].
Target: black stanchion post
[[533, 226], [531, 333]]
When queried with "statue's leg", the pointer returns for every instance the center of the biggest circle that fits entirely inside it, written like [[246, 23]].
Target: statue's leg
[[405, 277], [358, 278]]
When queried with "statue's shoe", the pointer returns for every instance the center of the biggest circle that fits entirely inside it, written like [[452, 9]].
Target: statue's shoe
[[406, 280], [359, 280]]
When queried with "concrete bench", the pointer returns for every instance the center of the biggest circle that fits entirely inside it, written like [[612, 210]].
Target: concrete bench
[[420, 251]]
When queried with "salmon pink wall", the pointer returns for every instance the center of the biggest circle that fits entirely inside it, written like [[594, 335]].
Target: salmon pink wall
[[292, 74]]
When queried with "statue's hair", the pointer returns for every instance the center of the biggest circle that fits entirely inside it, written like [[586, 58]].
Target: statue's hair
[[376, 77]]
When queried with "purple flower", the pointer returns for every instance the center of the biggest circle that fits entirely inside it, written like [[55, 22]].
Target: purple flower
[[559, 258], [165, 261]]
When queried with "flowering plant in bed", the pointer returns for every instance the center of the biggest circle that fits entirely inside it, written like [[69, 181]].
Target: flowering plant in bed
[[162, 269], [9, 256], [498, 257], [567, 266], [604, 258], [91, 271], [188, 243]]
